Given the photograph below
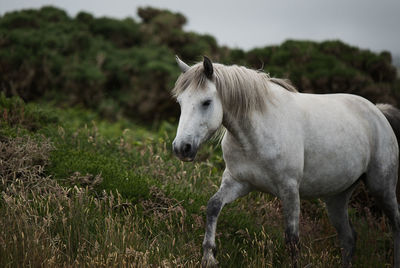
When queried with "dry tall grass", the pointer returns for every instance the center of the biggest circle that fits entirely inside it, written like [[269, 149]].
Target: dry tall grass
[[45, 224]]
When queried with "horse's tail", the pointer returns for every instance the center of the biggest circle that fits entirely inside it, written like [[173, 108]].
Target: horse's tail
[[392, 114]]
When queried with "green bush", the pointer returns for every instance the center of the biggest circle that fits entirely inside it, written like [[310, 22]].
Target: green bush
[[127, 68]]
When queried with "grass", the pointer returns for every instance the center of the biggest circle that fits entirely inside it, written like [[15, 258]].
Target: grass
[[80, 191]]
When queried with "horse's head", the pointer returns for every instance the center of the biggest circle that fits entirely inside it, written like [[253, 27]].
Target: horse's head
[[201, 108]]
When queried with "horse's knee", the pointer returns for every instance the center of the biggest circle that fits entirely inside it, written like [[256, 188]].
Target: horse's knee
[[214, 206]]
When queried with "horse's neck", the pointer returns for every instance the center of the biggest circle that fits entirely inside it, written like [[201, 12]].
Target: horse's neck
[[244, 130], [237, 129]]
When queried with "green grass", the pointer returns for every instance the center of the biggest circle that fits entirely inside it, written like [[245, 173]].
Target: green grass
[[133, 203]]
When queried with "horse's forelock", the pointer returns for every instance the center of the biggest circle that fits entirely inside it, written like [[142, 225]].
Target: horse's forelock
[[194, 77]]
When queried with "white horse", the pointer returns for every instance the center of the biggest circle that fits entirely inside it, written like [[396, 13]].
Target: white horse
[[290, 145]]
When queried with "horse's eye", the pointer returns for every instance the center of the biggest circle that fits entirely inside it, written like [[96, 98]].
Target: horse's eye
[[206, 103]]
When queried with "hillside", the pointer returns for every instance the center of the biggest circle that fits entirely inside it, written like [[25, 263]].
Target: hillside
[[127, 67]]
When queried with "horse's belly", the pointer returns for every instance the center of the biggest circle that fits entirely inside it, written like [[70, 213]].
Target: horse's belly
[[314, 187], [326, 176]]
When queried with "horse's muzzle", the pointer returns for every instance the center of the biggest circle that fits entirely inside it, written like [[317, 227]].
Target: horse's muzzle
[[185, 151]]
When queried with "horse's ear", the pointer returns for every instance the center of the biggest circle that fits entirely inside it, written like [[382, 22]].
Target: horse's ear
[[208, 67], [183, 66]]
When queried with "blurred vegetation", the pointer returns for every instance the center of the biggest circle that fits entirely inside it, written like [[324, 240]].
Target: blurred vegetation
[[127, 67]]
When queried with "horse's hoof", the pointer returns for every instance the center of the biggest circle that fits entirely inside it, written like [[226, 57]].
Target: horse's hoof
[[209, 261]]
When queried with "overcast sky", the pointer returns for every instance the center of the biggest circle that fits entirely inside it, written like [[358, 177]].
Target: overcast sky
[[372, 24]]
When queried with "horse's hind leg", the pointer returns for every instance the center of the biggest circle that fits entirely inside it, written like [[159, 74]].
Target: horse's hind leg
[[337, 207], [382, 185]]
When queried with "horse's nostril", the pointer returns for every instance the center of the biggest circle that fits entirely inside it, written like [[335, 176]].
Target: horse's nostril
[[187, 148]]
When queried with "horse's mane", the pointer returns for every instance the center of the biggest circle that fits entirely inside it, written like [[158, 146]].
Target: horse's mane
[[243, 89]]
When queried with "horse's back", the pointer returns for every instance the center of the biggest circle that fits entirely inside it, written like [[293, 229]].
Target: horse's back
[[343, 134]]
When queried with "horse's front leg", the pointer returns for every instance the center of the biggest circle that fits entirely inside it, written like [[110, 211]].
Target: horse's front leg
[[291, 209], [229, 190]]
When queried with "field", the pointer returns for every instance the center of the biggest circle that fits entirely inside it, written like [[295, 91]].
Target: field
[[77, 190], [87, 176]]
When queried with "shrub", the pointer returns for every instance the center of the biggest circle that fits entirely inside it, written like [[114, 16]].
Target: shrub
[[94, 62]]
